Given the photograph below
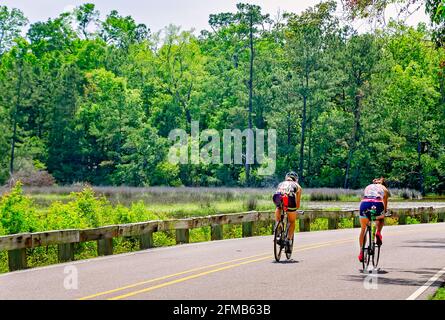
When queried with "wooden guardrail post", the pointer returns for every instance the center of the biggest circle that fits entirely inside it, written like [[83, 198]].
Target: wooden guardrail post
[[103, 236], [305, 224], [143, 231], [429, 214], [182, 236], [17, 259], [357, 221], [402, 218], [247, 229], [333, 223], [425, 215], [216, 232], [65, 252], [441, 217], [146, 240], [105, 247]]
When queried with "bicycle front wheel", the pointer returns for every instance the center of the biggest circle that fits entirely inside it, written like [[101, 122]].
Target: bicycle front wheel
[[376, 256], [278, 241]]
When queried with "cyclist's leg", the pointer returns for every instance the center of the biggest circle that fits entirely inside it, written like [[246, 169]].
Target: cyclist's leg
[[364, 207], [380, 223], [363, 224], [292, 217]]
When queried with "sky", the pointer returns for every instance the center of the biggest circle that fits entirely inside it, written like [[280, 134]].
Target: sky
[[157, 14]]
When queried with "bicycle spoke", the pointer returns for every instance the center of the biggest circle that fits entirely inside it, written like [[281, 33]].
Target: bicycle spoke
[[367, 249]]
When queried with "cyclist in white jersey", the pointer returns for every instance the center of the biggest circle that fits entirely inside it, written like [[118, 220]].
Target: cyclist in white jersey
[[292, 190], [375, 194]]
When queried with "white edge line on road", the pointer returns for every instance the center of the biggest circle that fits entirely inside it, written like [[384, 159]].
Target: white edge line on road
[[428, 284]]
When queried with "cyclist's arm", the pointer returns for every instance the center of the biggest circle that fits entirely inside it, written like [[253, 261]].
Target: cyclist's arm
[[299, 192], [385, 199]]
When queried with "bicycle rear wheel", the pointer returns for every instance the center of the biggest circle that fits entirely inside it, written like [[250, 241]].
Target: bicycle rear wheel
[[291, 246], [278, 241], [367, 249]]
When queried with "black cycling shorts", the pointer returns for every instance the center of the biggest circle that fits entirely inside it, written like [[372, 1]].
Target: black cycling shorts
[[367, 205], [278, 200]]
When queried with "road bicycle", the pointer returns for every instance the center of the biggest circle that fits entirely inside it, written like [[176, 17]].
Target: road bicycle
[[370, 248], [281, 231]]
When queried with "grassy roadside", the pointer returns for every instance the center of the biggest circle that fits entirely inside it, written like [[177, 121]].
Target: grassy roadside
[[440, 294]]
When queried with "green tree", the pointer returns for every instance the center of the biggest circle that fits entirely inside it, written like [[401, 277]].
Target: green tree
[[107, 112], [142, 162], [122, 31], [242, 30], [64, 149], [307, 39], [52, 35], [11, 23], [86, 15], [16, 83], [361, 57], [411, 91]]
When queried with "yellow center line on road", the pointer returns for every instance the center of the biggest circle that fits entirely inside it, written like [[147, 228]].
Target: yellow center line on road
[[180, 273], [263, 257], [166, 277], [162, 285], [187, 278]]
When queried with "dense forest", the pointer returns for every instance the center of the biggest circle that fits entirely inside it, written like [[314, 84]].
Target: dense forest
[[85, 99]]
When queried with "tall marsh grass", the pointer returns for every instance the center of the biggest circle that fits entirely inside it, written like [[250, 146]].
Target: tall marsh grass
[[406, 194], [247, 198]]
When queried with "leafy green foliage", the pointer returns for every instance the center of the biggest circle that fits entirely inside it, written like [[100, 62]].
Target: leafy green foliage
[[85, 210], [200, 234], [94, 101], [118, 30], [86, 15], [411, 220], [17, 213], [11, 23]]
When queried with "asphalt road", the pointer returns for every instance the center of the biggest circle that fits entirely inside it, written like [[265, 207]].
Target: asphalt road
[[353, 205], [324, 266]]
